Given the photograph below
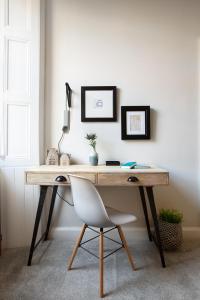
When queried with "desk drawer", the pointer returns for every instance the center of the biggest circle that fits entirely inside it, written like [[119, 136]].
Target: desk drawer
[[49, 178], [141, 179]]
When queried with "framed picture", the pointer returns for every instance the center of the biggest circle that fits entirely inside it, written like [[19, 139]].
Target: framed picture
[[98, 104], [135, 122]]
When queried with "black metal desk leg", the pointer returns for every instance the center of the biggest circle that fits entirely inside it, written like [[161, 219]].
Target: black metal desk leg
[[142, 196], [53, 198], [156, 225], [43, 192]]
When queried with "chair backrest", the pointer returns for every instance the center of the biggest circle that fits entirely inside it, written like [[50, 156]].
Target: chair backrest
[[88, 203]]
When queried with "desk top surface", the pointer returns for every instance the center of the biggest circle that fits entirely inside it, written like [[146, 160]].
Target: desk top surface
[[91, 169]]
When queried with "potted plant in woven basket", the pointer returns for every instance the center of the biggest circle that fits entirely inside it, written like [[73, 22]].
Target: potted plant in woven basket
[[170, 223]]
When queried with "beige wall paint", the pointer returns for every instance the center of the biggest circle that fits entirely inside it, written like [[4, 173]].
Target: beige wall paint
[[149, 50]]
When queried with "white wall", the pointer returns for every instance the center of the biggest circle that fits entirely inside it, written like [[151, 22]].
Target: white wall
[[149, 50]]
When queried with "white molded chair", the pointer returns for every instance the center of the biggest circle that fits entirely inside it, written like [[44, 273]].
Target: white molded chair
[[89, 207]]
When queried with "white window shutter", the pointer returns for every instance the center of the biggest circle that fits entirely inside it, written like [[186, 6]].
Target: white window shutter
[[20, 103]]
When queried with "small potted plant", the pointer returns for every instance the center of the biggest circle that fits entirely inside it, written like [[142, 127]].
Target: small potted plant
[[170, 223], [93, 156]]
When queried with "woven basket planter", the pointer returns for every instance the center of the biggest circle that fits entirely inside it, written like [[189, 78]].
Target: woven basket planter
[[171, 235]]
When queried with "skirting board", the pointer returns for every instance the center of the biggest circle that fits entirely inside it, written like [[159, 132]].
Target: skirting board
[[71, 233]]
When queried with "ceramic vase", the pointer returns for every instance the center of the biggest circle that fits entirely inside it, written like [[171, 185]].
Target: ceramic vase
[[93, 157]]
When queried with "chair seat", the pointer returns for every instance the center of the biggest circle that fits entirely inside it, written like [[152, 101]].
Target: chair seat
[[119, 218]]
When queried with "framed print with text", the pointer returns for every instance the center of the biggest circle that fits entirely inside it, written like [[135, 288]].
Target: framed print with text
[[135, 122]]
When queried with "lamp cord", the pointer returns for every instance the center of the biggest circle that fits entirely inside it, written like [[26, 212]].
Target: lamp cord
[[62, 198], [70, 204], [60, 140]]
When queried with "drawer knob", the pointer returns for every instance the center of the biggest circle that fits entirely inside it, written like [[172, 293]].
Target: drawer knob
[[61, 178], [132, 179]]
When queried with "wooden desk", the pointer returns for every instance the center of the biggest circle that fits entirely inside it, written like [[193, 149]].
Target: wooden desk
[[45, 176]]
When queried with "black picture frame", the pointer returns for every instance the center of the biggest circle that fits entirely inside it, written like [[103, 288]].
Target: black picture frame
[[124, 134], [84, 89]]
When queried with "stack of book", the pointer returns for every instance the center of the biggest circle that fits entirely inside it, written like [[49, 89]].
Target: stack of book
[[134, 165]]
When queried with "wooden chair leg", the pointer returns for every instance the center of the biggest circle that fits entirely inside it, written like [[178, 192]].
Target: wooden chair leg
[[101, 266], [77, 246], [125, 246]]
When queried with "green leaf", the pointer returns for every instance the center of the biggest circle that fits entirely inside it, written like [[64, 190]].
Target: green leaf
[[171, 215], [92, 139]]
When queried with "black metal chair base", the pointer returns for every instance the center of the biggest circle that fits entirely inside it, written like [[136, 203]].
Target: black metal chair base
[[89, 240]]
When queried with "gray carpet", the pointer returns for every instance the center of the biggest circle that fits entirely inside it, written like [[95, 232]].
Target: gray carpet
[[48, 278]]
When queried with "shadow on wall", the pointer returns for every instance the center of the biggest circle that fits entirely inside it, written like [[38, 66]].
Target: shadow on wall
[[153, 124], [178, 196]]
